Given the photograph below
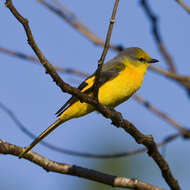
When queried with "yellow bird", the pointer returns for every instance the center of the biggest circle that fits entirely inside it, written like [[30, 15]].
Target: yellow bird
[[120, 78]]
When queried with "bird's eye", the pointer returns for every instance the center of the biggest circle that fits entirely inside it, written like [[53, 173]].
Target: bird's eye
[[141, 59]]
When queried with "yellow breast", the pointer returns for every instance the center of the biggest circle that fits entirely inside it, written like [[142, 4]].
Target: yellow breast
[[111, 94], [122, 87]]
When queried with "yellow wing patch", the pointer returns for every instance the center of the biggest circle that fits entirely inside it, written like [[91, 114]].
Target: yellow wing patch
[[90, 83]]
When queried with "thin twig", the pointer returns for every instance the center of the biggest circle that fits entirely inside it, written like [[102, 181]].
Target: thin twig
[[26, 131], [116, 117], [157, 36], [105, 50], [35, 60], [170, 75], [182, 130], [181, 80], [71, 19], [184, 6]]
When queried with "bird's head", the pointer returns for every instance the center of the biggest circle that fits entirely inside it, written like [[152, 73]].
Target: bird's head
[[137, 57]]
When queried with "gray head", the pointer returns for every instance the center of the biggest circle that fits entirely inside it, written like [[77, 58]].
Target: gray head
[[136, 56]]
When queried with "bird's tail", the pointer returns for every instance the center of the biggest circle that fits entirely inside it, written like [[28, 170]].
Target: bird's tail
[[42, 135]]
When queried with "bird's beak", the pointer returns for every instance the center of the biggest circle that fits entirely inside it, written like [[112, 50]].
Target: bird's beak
[[153, 61]]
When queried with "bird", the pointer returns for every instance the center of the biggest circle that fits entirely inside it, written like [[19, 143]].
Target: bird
[[120, 78]]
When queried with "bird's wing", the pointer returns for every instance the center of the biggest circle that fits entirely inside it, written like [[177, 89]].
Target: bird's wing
[[109, 71]]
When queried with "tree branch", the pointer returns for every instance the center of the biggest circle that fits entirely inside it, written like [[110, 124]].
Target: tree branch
[[73, 170], [181, 80], [116, 117], [184, 6], [105, 50], [157, 36], [72, 20], [185, 132], [35, 60]]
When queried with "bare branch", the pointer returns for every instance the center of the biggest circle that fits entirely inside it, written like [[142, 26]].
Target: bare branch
[[182, 130], [184, 6], [105, 50], [170, 75], [116, 117], [157, 36], [71, 19], [49, 68], [73, 170], [35, 60], [182, 80]]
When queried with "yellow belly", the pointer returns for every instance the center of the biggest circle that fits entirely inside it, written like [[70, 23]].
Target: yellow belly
[[111, 94], [120, 89]]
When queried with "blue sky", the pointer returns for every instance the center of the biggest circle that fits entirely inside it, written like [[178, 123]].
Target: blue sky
[[34, 98]]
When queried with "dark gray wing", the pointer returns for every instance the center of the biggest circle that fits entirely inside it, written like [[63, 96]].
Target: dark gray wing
[[109, 71], [72, 99]]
